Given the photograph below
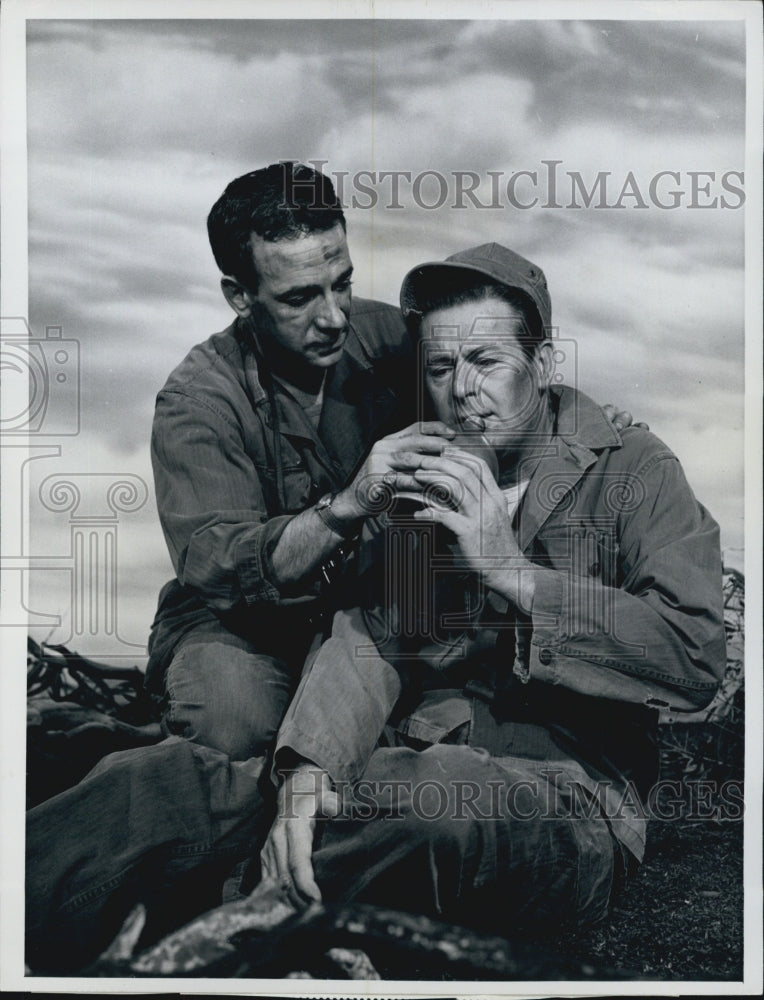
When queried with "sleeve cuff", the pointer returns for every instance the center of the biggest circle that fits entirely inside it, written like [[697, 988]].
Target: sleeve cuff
[[549, 606], [253, 561], [293, 744]]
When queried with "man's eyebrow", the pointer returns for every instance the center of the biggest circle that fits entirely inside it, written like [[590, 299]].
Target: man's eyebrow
[[311, 289], [345, 275], [487, 347], [472, 353], [438, 356]]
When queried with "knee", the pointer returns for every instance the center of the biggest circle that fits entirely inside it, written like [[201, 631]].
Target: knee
[[237, 739], [224, 698], [238, 736]]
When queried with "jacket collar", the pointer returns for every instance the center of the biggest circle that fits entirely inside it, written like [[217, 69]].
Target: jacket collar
[[355, 404], [581, 431], [581, 422], [352, 361]]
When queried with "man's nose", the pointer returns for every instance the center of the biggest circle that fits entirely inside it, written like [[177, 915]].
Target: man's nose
[[464, 382], [330, 316]]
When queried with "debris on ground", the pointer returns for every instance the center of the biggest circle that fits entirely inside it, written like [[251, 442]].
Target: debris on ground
[[679, 918]]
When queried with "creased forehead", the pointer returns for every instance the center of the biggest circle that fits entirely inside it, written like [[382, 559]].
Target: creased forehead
[[487, 321], [290, 261]]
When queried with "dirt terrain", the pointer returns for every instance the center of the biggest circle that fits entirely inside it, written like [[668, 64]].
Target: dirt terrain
[[681, 916]]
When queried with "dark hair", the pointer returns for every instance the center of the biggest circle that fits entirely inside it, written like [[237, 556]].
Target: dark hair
[[457, 287], [278, 202]]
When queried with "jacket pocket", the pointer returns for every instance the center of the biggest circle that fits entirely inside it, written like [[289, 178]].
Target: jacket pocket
[[297, 488], [581, 549]]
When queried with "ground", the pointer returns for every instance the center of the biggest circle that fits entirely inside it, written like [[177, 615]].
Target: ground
[[681, 916]]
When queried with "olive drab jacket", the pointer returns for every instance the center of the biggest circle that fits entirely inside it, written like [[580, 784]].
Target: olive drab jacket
[[235, 458], [629, 621]]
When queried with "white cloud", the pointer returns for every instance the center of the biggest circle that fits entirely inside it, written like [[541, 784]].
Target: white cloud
[[86, 472], [134, 133], [99, 96]]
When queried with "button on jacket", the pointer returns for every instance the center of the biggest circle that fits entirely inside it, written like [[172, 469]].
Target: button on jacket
[[630, 621], [230, 473]]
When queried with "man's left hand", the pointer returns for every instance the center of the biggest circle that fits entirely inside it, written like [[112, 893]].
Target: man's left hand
[[286, 857], [478, 519], [621, 419]]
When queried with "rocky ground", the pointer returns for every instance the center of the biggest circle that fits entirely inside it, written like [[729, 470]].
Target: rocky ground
[[679, 918]]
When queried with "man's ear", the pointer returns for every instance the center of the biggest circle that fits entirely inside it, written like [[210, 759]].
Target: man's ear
[[239, 298], [544, 359]]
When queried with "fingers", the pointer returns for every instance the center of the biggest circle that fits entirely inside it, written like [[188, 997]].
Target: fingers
[[470, 458], [286, 860], [440, 490], [400, 481], [273, 865], [287, 854], [471, 473], [450, 519], [620, 419], [408, 458], [426, 427], [331, 805], [300, 864], [300, 847], [428, 444]]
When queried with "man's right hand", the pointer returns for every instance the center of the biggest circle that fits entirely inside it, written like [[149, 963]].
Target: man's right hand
[[301, 549], [286, 857], [381, 474]]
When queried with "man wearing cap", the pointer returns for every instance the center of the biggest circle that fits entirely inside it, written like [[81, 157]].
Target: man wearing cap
[[263, 439], [566, 590], [164, 824]]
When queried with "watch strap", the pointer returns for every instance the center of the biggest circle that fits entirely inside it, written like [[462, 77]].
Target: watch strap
[[324, 510]]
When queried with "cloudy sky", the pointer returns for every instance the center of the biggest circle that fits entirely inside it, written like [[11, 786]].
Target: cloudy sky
[[135, 127]]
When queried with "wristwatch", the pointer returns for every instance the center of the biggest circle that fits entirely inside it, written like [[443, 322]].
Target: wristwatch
[[324, 510]]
